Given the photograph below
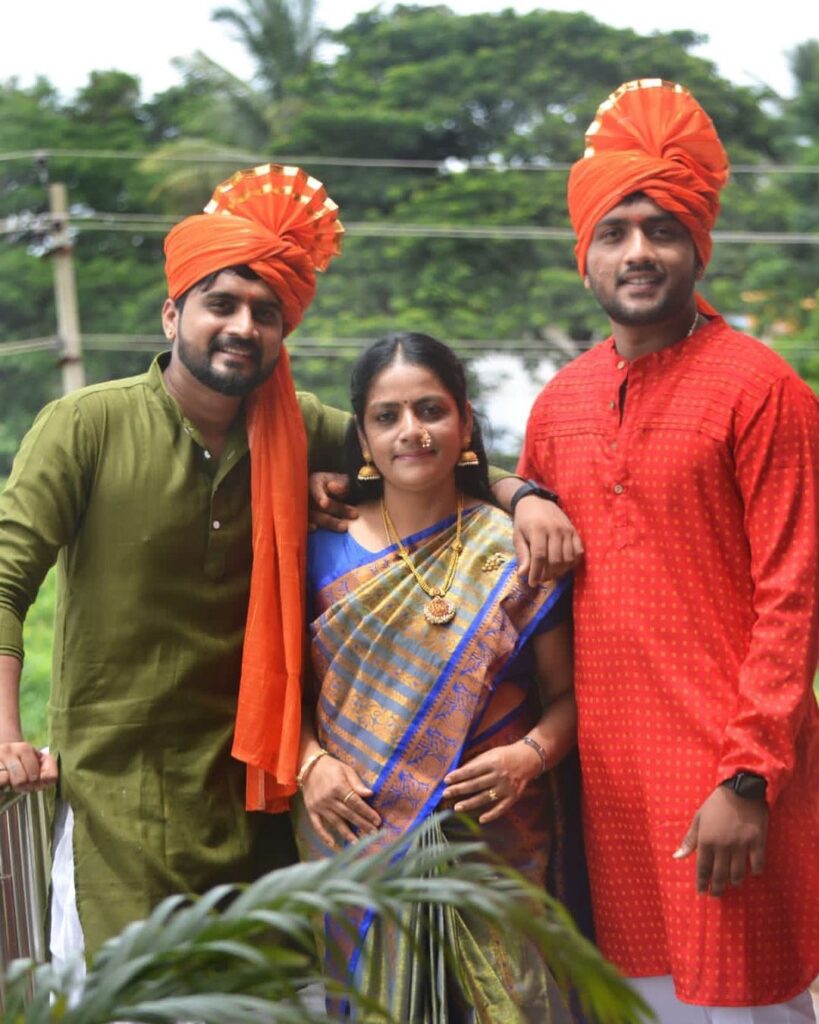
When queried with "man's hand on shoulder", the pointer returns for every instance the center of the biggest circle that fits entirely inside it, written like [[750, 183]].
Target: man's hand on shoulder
[[24, 769], [327, 510], [728, 834]]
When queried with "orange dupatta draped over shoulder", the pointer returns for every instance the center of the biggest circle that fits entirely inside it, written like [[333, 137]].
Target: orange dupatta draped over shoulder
[[268, 718], [280, 222]]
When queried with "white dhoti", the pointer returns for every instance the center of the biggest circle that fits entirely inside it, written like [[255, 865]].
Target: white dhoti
[[65, 941], [658, 992]]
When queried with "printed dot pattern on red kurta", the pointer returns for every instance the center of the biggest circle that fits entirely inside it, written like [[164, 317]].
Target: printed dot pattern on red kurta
[[692, 475]]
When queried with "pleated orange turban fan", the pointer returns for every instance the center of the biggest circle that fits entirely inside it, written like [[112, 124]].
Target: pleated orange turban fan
[[277, 220], [653, 137], [280, 222]]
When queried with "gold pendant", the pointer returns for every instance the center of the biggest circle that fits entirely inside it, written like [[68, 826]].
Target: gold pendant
[[439, 611]]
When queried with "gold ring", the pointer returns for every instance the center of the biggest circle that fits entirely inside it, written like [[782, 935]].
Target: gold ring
[[350, 794], [493, 795]]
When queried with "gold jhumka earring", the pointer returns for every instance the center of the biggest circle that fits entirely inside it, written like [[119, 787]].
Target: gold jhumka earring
[[468, 457], [368, 471]]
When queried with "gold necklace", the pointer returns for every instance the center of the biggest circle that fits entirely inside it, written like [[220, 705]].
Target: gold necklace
[[439, 611]]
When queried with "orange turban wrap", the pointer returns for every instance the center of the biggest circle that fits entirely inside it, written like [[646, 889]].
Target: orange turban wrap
[[276, 220], [280, 223], [652, 137]]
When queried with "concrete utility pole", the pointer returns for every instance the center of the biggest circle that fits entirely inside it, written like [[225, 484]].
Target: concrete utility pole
[[65, 291]]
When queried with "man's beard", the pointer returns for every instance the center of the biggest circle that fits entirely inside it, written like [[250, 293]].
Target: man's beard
[[236, 383], [629, 314]]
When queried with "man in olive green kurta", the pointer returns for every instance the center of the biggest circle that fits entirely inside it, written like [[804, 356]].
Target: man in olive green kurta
[[140, 489], [153, 536]]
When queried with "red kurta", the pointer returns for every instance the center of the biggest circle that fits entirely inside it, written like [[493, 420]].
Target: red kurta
[[696, 638]]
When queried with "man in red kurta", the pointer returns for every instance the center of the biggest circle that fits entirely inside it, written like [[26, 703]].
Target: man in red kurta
[[687, 455]]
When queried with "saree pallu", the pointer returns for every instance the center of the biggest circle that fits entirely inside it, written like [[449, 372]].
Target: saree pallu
[[405, 702]]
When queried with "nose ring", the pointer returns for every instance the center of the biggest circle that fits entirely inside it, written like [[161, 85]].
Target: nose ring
[[426, 438]]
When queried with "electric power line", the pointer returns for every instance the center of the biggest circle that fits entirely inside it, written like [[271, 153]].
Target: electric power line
[[331, 348], [124, 223], [449, 165], [13, 348]]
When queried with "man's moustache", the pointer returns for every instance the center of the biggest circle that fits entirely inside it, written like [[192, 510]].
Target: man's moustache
[[235, 344]]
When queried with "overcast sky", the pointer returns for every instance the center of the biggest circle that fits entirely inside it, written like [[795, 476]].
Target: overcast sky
[[66, 39]]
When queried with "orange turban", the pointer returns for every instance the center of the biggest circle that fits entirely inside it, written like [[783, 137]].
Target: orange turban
[[653, 137], [280, 223], [277, 220]]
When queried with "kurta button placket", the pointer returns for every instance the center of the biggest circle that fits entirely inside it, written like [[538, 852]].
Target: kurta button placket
[[227, 511], [617, 452]]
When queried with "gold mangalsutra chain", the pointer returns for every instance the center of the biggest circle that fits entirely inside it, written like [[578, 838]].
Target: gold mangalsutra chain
[[437, 615]]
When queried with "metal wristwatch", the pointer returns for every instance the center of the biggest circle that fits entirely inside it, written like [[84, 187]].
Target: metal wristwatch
[[530, 487], [748, 785]]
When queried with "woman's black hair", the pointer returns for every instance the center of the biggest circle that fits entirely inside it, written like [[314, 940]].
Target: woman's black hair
[[418, 350]]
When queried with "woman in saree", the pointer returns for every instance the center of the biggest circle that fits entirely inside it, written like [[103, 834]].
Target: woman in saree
[[441, 680]]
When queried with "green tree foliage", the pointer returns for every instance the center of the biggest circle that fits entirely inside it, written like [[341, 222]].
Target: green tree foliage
[[495, 103], [118, 284], [499, 90], [521, 86], [281, 37]]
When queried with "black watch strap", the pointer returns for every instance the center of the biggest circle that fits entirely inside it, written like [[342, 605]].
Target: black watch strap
[[748, 785], [530, 487]]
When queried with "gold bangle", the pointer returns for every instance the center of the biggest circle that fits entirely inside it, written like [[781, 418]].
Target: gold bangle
[[533, 743], [308, 764]]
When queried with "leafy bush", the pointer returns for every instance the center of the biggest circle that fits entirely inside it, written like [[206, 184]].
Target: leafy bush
[[36, 680]]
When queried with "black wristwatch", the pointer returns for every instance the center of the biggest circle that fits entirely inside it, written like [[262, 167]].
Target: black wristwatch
[[530, 487], [748, 785]]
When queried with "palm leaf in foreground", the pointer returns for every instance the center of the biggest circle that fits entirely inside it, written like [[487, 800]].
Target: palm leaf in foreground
[[242, 954]]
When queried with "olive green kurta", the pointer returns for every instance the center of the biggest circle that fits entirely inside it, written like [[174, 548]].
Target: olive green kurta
[[153, 537]]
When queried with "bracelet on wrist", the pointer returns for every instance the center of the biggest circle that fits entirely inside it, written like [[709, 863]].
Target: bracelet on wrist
[[541, 753], [308, 766]]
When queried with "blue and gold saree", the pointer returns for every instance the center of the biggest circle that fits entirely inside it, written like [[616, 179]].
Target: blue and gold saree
[[405, 702]]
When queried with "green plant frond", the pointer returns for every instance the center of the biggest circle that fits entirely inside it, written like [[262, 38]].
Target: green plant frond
[[201, 65], [277, 921], [224, 957], [218, 1009], [173, 927]]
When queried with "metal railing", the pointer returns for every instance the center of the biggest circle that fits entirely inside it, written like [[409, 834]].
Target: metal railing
[[24, 878]]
